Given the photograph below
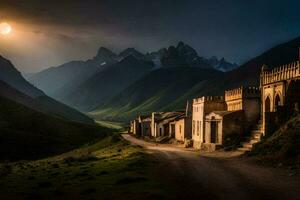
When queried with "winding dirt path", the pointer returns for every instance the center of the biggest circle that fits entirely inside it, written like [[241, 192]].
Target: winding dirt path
[[195, 176]]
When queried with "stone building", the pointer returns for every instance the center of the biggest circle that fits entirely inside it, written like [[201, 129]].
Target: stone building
[[145, 126], [135, 127], [161, 123], [141, 126], [183, 125], [241, 111], [220, 124], [280, 90], [246, 99], [201, 107]]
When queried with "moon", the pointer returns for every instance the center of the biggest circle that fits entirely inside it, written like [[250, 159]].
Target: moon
[[5, 28]]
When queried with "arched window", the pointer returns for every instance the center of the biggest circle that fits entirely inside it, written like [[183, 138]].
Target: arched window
[[268, 105]]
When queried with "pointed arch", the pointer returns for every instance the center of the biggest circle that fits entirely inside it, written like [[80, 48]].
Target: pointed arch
[[267, 104]]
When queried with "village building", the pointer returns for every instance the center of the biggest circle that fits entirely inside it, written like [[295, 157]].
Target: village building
[[145, 126], [280, 91], [220, 124], [141, 126], [201, 107], [243, 110], [246, 99], [135, 127], [162, 123], [183, 125]]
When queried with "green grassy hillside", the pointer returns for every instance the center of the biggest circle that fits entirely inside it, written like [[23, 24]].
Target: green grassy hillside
[[154, 92], [29, 134], [106, 84], [43, 104]]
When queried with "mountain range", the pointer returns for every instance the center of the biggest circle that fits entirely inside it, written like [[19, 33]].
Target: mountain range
[[120, 86], [101, 78]]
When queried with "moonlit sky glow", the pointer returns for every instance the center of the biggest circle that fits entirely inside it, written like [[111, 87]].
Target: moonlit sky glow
[[51, 32], [5, 28]]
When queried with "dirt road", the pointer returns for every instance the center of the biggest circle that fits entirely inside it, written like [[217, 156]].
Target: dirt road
[[194, 176]]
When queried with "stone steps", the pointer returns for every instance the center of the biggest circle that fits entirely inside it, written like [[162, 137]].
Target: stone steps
[[256, 135]]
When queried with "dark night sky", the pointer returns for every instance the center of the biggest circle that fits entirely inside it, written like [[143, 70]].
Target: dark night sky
[[53, 32]]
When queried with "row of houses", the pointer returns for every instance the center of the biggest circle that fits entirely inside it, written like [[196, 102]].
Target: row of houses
[[206, 121]]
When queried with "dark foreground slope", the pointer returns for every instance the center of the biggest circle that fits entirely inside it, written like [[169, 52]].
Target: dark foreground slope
[[29, 134], [283, 145]]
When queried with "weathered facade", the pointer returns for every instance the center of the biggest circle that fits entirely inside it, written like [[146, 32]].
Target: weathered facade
[[220, 124], [201, 107], [246, 99], [160, 123], [183, 128], [280, 89]]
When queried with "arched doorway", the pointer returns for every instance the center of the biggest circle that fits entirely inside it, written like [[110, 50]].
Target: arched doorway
[[213, 130], [277, 101], [268, 104]]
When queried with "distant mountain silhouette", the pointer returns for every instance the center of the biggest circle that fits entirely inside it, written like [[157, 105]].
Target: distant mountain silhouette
[[107, 74], [54, 81], [10, 75], [131, 52], [15, 87], [222, 64], [181, 56]]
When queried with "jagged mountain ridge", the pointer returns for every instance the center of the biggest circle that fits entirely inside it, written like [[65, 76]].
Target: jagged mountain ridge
[[55, 80]]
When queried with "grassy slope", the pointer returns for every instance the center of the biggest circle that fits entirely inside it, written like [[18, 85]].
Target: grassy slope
[[283, 145], [155, 91], [106, 84], [28, 134], [43, 104], [108, 169]]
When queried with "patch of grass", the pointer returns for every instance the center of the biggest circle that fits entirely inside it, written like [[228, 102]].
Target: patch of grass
[[108, 169]]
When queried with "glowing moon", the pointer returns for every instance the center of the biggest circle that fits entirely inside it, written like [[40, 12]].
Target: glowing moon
[[5, 28]]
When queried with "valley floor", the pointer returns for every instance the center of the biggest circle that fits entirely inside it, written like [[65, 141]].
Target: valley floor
[[195, 175]]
